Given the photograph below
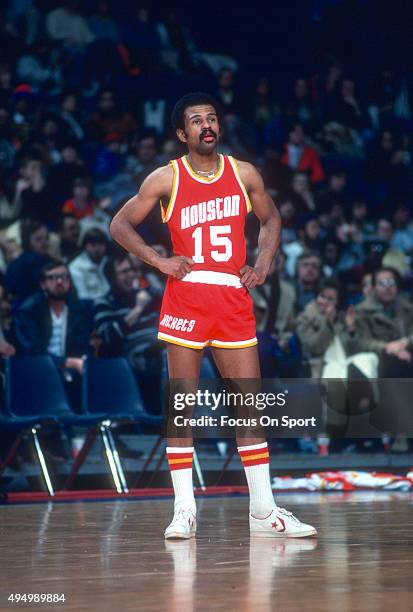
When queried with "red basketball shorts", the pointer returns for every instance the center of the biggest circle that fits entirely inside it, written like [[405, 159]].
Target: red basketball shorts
[[207, 308]]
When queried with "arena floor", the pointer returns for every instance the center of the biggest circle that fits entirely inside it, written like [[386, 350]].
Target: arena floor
[[111, 556]]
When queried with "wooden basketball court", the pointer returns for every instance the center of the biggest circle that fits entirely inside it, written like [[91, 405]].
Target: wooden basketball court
[[111, 555]]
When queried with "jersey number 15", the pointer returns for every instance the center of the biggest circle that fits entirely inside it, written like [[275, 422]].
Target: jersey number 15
[[217, 238]]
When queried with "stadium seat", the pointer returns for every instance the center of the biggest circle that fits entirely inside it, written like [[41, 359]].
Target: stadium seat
[[30, 403], [110, 388]]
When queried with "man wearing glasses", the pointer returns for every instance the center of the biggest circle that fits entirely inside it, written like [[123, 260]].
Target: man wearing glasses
[[48, 322], [384, 324]]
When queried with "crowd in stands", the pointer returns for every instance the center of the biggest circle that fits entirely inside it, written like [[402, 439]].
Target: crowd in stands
[[85, 96]]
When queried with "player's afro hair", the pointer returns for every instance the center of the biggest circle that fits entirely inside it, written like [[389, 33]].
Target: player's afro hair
[[192, 99]]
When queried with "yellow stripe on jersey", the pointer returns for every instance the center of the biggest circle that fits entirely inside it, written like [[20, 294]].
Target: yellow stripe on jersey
[[175, 183], [241, 184], [204, 179]]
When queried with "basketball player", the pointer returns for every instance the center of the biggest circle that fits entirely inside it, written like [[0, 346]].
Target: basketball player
[[205, 198]]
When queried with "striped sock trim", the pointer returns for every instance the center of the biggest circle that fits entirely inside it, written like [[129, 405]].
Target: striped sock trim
[[179, 458], [256, 454]]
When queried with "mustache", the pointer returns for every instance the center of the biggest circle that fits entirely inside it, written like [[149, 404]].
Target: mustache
[[207, 132]]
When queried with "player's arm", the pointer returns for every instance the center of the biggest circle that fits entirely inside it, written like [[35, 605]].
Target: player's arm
[[270, 226], [155, 187]]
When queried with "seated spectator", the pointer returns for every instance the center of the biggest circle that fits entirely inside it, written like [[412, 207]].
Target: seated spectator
[[6, 348], [69, 233], [102, 24], [403, 226], [67, 26], [309, 239], [301, 192], [301, 156], [61, 177], [39, 68], [274, 312], [331, 255], [300, 106], [88, 269], [23, 273], [328, 338], [309, 273], [33, 197], [126, 318], [82, 203], [144, 158], [344, 108], [69, 116], [51, 323], [351, 251], [319, 322], [384, 324], [335, 193], [109, 119], [388, 166]]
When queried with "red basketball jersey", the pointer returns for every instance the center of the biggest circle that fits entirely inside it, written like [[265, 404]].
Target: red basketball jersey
[[206, 217]]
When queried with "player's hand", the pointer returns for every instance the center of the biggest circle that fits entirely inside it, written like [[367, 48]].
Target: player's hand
[[177, 266], [251, 277]]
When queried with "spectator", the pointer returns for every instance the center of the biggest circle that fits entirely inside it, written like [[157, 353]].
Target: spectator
[[274, 303], [109, 119], [329, 340], [33, 195], [62, 176], [320, 322], [82, 204], [403, 234], [145, 158], [88, 269], [126, 318], [102, 24], [227, 94], [384, 324], [67, 26], [300, 156], [388, 166], [309, 271], [49, 322], [335, 193], [300, 107], [69, 233], [39, 67], [344, 107], [301, 192], [23, 273], [6, 348], [309, 232], [69, 116]]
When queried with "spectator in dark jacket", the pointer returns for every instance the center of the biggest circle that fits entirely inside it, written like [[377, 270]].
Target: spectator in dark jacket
[[50, 323], [23, 273]]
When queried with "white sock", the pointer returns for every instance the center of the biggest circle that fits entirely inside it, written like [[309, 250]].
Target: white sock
[[256, 462], [180, 464]]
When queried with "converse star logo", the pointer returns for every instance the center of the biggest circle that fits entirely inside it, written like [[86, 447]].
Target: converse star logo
[[274, 524]]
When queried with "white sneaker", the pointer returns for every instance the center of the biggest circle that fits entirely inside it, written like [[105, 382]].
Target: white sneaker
[[182, 527], [280, 524]]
